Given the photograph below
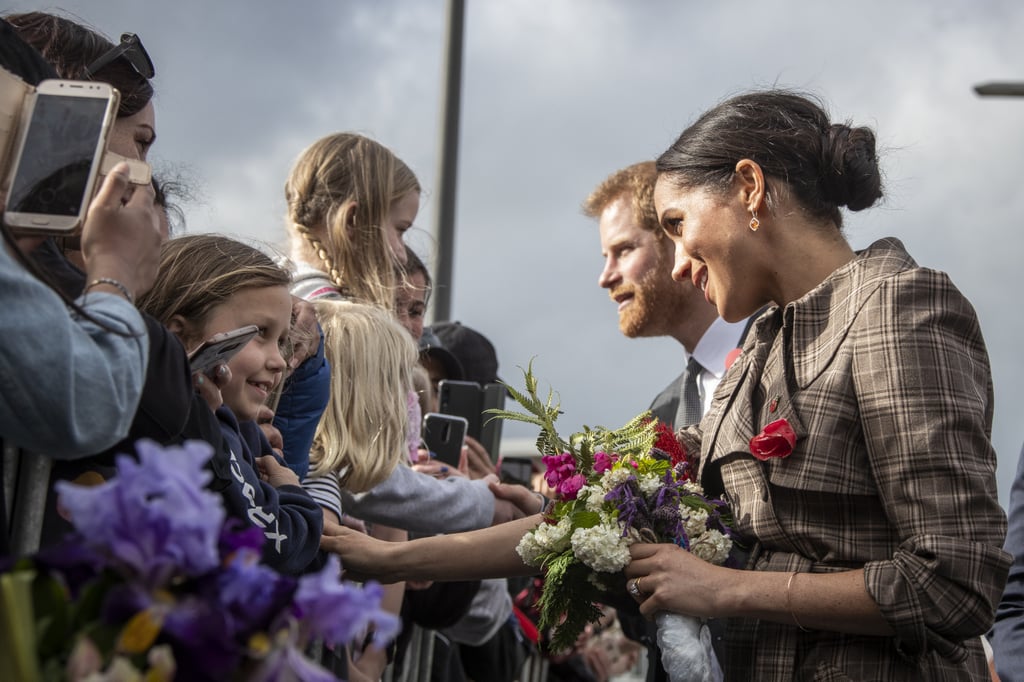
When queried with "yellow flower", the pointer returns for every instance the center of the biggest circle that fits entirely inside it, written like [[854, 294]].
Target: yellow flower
[[140, 632]]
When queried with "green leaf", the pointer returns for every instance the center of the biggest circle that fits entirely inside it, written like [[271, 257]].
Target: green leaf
[[585, 519], [53, 616]]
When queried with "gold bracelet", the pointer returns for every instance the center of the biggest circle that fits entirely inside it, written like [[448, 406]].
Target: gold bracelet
[[114, 283], [789, 601]]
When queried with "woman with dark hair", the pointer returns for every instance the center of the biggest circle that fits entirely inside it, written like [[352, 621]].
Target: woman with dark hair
[[79, 53], [873, 529], [167, 410], [876, 536], [71, 377]]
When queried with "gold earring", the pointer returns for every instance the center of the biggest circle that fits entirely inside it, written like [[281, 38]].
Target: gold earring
[[754, 222]]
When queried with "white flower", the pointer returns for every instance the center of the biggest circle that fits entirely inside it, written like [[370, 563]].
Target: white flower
[[602, 547], [545, 539], [711, 546], [696, 523], [693, 487], [594, 496], [650, 483], [616, 477], [529, 549]]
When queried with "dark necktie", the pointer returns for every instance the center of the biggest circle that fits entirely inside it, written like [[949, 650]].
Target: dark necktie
[[691, 406]]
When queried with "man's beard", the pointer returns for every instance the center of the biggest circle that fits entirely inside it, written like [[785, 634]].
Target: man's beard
[[657, 302]]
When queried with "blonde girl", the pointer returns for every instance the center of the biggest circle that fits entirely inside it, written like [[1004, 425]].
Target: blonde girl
[[366, 429], [350, 200], [208, 284]]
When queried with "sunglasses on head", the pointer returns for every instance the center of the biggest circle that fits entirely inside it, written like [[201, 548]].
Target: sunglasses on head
[[131, 49]]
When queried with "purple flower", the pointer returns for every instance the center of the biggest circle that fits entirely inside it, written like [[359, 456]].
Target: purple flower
[[603, 462], [250, 594], [154, 520], [236, 535], [195, 627], [338, 611], [632, 506], [70, 562]]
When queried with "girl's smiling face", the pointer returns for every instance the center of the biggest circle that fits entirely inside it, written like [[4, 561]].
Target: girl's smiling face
[[259, 366]]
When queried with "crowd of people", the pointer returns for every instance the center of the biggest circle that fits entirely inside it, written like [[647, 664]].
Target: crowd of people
[[873, 551]]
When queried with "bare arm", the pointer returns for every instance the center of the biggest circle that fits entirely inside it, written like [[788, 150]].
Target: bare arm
[[478, 554]]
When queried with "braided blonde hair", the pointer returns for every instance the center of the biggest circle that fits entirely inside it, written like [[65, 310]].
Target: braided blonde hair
[[341, 174]]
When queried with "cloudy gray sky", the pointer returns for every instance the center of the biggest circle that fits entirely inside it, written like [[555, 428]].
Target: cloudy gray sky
[[557, 94]]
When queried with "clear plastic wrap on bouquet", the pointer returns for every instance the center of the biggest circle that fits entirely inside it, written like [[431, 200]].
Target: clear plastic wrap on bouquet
[[686, 651]]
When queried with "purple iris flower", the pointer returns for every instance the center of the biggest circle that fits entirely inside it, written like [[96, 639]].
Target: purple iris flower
[[154, 520], [195, 627], [70, 562], [338, 611], [236, 535], [250, 594], [632, 506]]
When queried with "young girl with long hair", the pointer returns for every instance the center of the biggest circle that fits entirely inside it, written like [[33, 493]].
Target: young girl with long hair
[[367, 429], [208, 284], [350, 200]]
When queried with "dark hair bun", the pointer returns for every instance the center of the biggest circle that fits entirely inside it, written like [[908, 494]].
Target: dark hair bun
[[850, 174]]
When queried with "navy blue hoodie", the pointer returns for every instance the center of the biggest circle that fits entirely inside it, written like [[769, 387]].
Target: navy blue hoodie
[[291, 521]]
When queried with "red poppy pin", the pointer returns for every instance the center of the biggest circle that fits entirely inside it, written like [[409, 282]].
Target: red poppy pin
[[775, 440]]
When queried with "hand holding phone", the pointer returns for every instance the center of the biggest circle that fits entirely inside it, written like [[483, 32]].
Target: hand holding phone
[[57, 155], [220, 348], [121, 238]]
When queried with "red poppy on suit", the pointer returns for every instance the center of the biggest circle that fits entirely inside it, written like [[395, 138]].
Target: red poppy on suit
[[775, 440]]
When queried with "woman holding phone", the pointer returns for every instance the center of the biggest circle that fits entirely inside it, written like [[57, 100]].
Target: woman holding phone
[[94, 345]]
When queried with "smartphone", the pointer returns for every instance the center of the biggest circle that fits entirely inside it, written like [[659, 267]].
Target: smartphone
[[517, 470], [57, 156], [462, 398], [490, 427], [220, 348], [443, 435]]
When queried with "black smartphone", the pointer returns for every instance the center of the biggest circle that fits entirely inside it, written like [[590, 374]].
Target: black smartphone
[[490, 427], [443, 435], [464, 399], [220, 348], [517, 470]]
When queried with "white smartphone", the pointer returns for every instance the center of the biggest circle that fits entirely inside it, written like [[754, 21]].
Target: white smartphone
[[57, 156], [220, 348]]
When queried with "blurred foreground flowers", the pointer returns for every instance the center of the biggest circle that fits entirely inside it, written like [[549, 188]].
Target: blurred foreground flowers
[[156, 584]]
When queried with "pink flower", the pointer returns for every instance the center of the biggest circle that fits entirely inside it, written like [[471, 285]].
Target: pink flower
[[569, 487], [603, 462], [557, 468], [776, 440]]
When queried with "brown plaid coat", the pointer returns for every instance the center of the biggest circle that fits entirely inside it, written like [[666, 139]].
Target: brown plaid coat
[[883, 373]]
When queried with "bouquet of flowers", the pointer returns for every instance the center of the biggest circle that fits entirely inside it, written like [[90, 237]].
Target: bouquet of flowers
[[155, 584], [613, 488]]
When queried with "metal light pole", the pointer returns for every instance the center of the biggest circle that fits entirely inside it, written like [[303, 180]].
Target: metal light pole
[[998, 89], [444, 220]]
